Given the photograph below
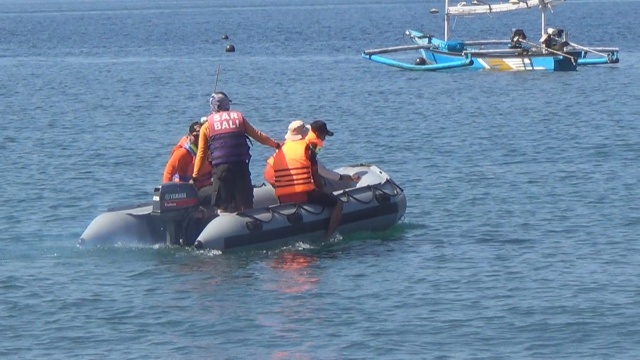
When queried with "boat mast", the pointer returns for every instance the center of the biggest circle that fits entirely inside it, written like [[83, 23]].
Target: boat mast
[[446, 20], [543, 10]]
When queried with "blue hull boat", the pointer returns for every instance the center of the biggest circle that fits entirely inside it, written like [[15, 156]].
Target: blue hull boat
[[553, 52]]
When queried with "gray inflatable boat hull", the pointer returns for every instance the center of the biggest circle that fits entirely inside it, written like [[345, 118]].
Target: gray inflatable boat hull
[[375, 203]]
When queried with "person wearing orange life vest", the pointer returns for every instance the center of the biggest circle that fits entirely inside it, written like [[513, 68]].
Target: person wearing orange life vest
[[223, 138], [316, 136], [180, 165], [295, 167], [183, 140]]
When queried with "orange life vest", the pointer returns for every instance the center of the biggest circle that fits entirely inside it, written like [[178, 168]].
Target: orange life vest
[[180, 144], [269, 176], [292, 169], [314, 140]]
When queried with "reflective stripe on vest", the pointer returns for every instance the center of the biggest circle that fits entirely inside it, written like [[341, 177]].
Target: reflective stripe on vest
[[191, 148], [312, 138], [227, 138], [292, 169]]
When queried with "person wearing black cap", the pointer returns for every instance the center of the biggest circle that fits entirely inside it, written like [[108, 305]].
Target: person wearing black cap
[[317, 136], [296, 177], [319, 127]]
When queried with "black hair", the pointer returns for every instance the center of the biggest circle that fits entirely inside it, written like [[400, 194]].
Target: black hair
[[192, 127]]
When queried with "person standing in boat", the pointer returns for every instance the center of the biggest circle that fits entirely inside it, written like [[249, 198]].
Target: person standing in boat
[[179, 168], [297, 180], [316, 136], [223, 137]]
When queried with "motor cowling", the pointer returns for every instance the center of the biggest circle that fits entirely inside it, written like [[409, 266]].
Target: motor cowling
[[174, 200]]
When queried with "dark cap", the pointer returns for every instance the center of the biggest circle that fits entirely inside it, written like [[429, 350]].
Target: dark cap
[[319, 126]]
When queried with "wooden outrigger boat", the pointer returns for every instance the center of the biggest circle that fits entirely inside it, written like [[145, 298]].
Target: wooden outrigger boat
[[553, 52]]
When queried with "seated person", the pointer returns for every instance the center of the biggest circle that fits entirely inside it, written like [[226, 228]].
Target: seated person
[[553, 40], [316, 134], [180, 165], [296, 176], [516, 36]]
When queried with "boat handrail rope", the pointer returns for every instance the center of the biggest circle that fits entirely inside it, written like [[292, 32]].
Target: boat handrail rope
[[373, 188], [346, 193]]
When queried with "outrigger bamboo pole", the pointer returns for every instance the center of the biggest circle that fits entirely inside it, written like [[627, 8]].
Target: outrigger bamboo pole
[[587, 49], [573, 59]]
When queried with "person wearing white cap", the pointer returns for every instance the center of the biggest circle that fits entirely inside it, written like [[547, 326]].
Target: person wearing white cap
[[296, 174], [316, 133]]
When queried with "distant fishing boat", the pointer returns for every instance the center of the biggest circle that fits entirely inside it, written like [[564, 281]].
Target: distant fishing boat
[[552, 52]]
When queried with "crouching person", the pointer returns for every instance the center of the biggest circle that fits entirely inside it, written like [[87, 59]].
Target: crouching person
[[296, 176]]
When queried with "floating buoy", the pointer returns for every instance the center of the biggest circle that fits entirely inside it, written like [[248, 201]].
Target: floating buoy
[[230, 48], [225, 37], [421, 61], [433, 11]]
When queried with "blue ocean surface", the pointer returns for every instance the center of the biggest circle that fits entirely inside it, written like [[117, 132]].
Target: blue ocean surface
[[520, 239]]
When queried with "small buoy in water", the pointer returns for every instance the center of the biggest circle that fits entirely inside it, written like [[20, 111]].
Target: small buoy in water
[[433, 11], [225, 36], [421, 61], [230, 48]]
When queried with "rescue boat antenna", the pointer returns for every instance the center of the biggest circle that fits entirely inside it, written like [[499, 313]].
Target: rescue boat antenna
[[215, 87]]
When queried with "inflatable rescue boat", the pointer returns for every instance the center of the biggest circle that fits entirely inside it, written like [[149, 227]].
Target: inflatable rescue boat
[[175, 216]]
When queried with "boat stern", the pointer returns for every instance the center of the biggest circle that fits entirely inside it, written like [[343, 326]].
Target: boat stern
[[118, 227]]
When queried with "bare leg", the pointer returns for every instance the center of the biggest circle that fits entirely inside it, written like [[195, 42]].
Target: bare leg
[[334, 220]]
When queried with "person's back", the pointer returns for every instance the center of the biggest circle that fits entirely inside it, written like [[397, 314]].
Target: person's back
[[223, 140], [293, 173]]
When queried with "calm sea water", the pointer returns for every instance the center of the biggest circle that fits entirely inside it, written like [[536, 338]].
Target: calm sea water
[[521, 235]]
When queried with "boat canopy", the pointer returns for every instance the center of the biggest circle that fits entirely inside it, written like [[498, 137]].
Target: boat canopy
[[477, 7]]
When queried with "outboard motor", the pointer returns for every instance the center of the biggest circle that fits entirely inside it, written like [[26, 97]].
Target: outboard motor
[[174, 203]]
